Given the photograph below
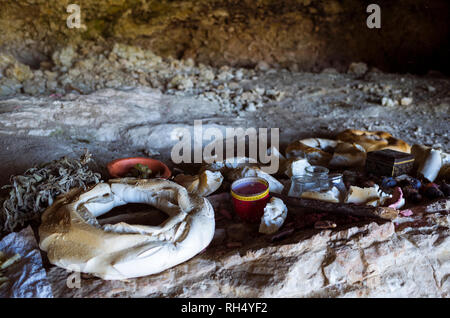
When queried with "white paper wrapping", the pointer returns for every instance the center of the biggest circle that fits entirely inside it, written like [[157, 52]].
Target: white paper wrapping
[[27, 277]]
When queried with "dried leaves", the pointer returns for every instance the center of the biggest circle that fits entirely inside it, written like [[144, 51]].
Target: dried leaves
[[31, 193]]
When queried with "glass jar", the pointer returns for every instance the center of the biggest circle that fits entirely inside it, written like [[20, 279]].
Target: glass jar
[[337, 180], [320, 174], [302, 183]]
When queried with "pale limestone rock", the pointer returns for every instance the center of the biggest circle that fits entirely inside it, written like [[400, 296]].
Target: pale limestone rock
[[405, 101], [371, 260], [64, 57], [389, 102], [19, 71]]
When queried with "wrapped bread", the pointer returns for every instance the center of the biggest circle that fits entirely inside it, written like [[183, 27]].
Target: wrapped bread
[[73, 238], [275, 214]]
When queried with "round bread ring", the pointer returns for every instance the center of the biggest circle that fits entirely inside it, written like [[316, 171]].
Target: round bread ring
[[73, 239], [324, 152], [374, 140], [318, 151]]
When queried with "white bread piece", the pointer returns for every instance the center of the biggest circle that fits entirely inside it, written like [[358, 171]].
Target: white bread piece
[[229, 164], [369, 196], [296, 167], [331, 195], [275, 214], [426, 162], [430, 168], [202, 184], [73, 239]]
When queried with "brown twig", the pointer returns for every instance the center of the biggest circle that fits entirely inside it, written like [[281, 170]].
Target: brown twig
[[340, 208]]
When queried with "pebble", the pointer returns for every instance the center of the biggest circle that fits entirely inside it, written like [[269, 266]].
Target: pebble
[[405, 101], [357, 68], [386, 101]]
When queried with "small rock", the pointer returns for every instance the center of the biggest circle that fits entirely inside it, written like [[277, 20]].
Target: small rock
[[251, 107], [64, 57], [262, 66], [357, 68], [34, 87], [386, 101], [19, 71], [405, 101]]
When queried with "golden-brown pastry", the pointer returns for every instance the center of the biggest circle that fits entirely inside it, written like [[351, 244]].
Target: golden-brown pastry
[[373, 140]]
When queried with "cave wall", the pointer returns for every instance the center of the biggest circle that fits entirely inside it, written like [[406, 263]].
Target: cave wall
[[298, 34]]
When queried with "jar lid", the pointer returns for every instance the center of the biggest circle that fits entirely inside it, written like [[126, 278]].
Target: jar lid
[[317, 170], [335, 176]]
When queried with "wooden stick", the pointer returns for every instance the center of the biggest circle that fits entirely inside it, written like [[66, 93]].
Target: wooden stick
[[340, 208]]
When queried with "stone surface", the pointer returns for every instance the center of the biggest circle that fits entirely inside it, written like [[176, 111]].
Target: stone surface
[[294, 34], [359, 260], [407, 258], [137, 120]]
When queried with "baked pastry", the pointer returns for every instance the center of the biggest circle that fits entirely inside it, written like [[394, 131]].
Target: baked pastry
[[73, 238], [325, 152], [202, 184], [318, 151], [348, 155], [373, 140]]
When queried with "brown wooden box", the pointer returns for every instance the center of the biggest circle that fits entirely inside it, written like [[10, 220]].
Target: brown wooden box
[[389, 162]]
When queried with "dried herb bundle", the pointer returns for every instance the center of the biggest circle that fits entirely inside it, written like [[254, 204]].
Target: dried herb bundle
[[35, 190]]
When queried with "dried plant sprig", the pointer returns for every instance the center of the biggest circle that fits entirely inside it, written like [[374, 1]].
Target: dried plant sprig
[[31, 193]]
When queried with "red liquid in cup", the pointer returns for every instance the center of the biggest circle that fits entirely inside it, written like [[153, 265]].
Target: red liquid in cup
[[250, 196], [250, 188]]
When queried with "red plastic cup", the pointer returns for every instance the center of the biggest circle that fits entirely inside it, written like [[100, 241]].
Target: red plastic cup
[[250, 196]]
